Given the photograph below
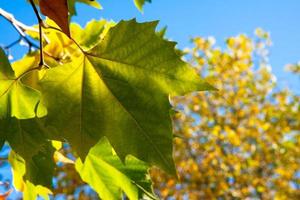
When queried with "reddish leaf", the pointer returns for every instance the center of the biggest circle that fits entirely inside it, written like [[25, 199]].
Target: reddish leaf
[[57, 10]]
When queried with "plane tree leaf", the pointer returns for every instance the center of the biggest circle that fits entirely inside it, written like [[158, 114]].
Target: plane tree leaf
[[16, 99], [59, 48], [28, 138], [19, 105], [19, 170], [25, 136], [120, 89], [108, 176], [40, 169]]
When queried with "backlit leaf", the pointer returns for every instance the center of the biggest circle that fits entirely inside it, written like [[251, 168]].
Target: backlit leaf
[[140, 3], [120, 89], [16, 99], [93, 3], [108, 176], [24, 171]]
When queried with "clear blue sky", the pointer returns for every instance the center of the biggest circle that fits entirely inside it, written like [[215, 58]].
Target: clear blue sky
[[218, 18]]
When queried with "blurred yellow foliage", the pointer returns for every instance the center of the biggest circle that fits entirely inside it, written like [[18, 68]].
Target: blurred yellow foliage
[[241, 142]]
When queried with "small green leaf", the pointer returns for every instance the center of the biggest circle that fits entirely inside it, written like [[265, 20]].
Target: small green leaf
[[140, 3], [40, 169], [72, 9], [108, 176], [20, 170], [16, 99], [92, 33], [28, 138], [6, 71]]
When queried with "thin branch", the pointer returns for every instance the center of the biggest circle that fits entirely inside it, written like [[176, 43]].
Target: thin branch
[[41, 64], [20, 28], [3, 159], [13, 43]]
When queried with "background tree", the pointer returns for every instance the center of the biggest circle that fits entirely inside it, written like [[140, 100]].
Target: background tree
[[242, 141]]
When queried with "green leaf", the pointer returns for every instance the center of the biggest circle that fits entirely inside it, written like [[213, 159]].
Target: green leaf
[[28, 138], [140, 3], [32, 192], [2, 142], [120, 89], [108, 176], [92, 33], [162, 32], [71, 5], [16, 99], [40, 169], [6, 71], [20, 169]]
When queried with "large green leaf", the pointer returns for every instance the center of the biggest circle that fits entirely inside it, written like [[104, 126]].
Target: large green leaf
[[108, 176], [16, 99], [120, 89]]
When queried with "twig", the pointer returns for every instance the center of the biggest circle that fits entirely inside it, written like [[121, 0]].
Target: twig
[[41, 64], [20, 28], [3, 159], [13, 43], [17, 24]]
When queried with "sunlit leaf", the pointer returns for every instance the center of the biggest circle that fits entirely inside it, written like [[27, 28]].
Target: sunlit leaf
[[119, 89]]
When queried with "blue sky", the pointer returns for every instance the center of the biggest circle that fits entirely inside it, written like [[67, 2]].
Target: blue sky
[[185, 19]]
